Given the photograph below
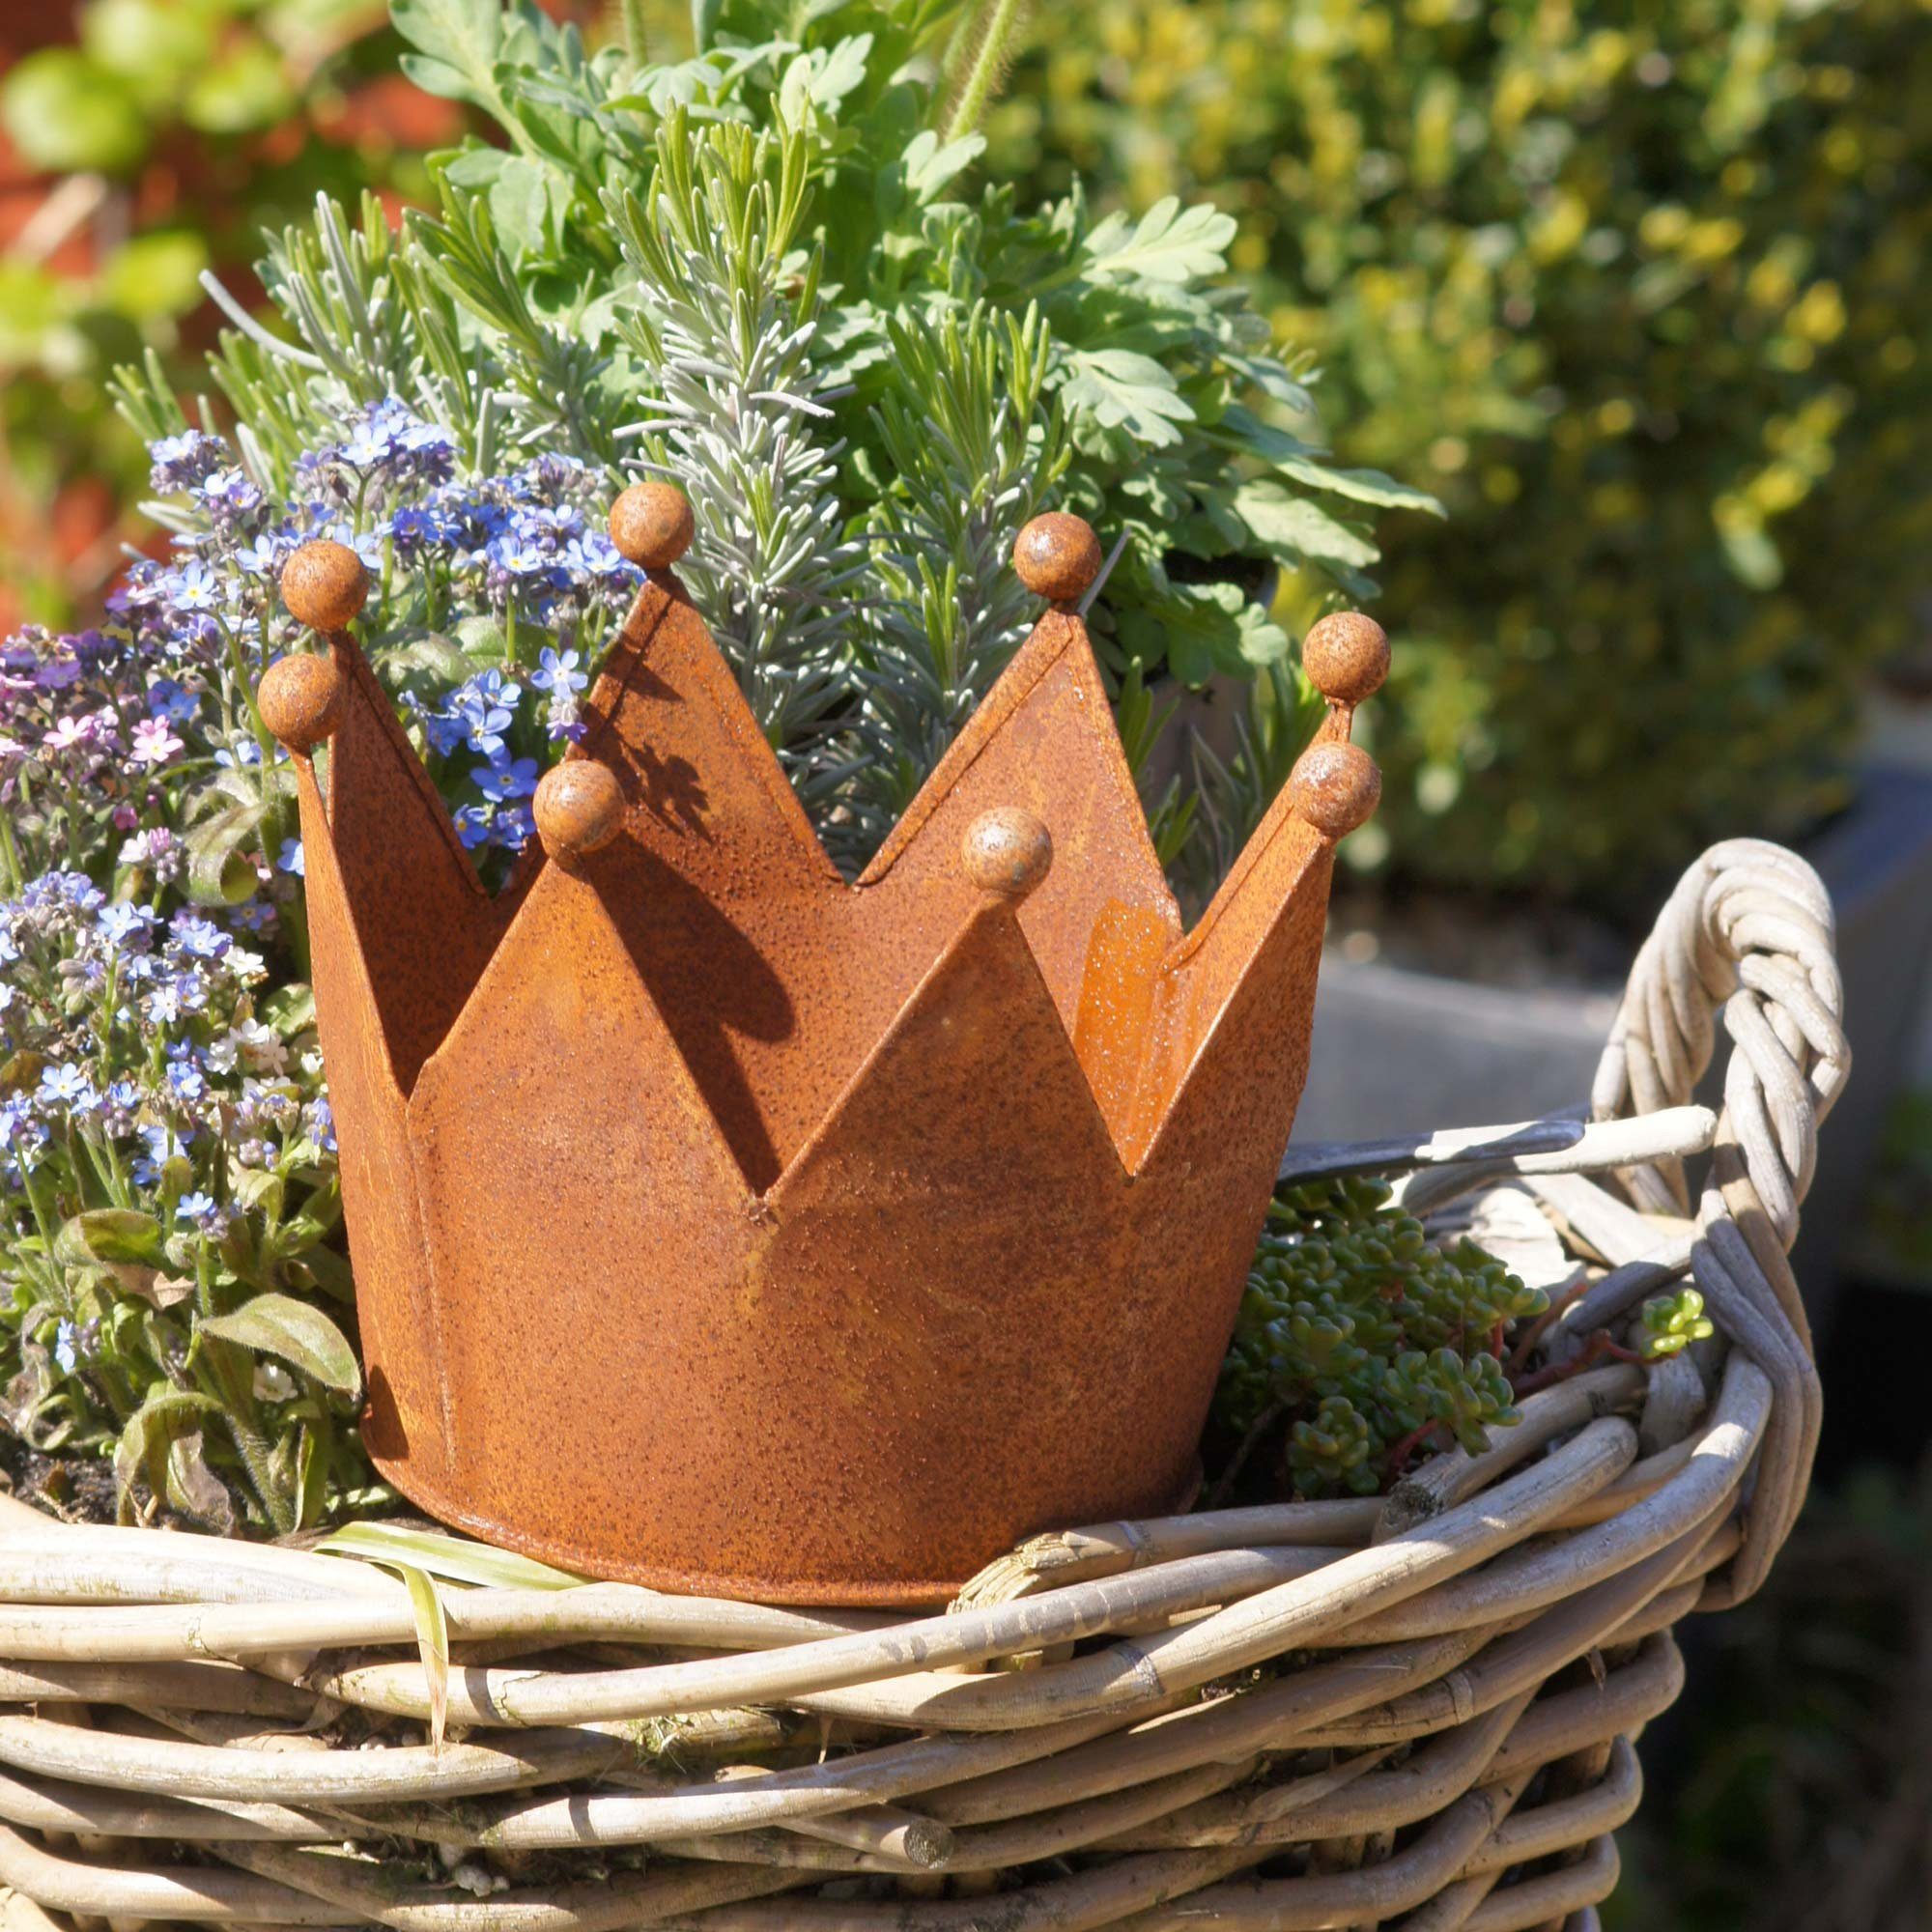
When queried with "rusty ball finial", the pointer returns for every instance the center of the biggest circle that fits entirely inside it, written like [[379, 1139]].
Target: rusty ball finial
[[651, 524], [1345, 656], [300, 700], [1058, 557], [323, 585], [1335, 786], [1006, 852], [579, 807]]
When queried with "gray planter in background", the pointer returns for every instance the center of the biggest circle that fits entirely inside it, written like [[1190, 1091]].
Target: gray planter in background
[[1397, 1051]]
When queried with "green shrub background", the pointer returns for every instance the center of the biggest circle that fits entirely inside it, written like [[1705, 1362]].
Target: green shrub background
[[1639, 290]]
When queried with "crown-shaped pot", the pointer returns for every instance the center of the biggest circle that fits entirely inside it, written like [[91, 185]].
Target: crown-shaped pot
[[722, 1226]]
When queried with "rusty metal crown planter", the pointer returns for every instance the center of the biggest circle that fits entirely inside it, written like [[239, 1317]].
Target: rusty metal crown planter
[[724, 1227], [1416, 1713]]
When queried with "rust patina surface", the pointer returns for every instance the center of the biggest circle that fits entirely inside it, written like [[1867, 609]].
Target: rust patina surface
[[719, 1225]]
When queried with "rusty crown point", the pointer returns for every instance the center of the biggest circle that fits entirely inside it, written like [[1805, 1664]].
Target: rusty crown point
[[579, 807], [651, 524], [1058, 557], [1335, 786], [325, 585], [1006, 852], [1346, 655], [300, 700]]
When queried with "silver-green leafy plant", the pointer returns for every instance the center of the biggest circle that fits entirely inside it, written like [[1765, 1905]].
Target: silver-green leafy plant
[[721, 315], [771, 269]]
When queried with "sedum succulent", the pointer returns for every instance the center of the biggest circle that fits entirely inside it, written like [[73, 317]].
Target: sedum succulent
[[1669, 1323], [1366, 1340]]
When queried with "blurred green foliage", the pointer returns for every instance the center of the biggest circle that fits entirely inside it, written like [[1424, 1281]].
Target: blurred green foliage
[[161, 140], [1636, 287]]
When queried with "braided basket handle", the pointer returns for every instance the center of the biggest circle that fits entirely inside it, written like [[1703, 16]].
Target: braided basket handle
[[1748, 933]]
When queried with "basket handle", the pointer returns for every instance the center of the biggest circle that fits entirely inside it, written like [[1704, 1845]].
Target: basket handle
[[1748, 931]]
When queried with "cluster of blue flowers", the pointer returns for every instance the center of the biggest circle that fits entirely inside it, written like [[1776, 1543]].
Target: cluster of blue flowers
[[147, 1045], [161, 694], [479, 718]]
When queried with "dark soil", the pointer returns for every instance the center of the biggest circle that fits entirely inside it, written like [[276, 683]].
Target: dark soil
[[76, 1488]]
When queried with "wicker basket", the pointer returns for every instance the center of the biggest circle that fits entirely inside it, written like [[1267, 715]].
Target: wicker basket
[[1417, 1710]]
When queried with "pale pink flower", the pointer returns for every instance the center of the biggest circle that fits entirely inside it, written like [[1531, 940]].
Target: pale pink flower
[[154, 744]]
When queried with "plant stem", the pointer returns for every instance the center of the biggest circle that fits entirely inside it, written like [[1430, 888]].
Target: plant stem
[[1594, 1351], [636, 40], [986, 55]]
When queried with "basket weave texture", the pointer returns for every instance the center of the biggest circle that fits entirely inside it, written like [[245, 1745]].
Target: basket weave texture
[[1415, 1711]]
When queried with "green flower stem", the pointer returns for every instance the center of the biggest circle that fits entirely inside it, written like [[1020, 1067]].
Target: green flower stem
[[637, 36], [41, 1220], [988, 49], [10, 858], [254, 1452]]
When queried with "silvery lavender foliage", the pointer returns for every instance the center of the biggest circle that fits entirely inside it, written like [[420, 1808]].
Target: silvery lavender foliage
[[960, 471], [723, 311]]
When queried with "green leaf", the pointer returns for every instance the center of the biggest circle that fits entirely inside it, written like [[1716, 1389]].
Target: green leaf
[[458, 1558], [457, 43], [295, 1332], [193, 1487], [218, 873], [1169, 244], [248, 88], [1290, 526], [143, 1444], [1203, 629], [1120, 388], [35, 315], [255, 1188], [822, 78], [432, 1643], [155, 45], [110, 1237], [68, 115], [1288, 455], [425, 1603], [527, 202], [327, 1270], [931, 165], [290, 1010]]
